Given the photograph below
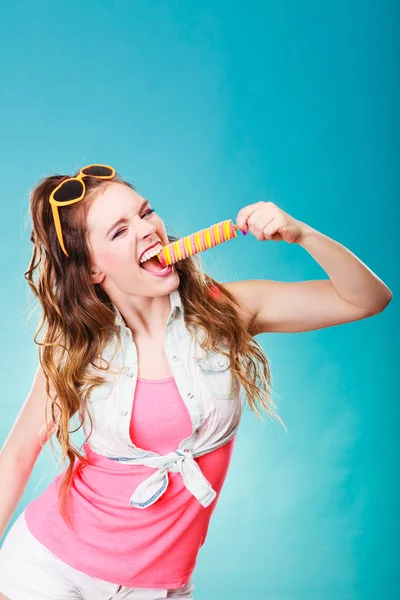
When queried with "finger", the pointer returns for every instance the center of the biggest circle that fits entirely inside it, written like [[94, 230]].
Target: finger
[[243, 215], [256, 225], [270, 230], [258, 221]]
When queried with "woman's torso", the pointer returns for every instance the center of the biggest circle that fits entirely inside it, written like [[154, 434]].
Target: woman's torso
[[158, 546], [111, 540]]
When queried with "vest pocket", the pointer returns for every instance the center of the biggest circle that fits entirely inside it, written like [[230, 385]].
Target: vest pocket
[[217, 376]]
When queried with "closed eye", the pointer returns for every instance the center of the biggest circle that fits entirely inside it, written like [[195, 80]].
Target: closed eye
[[118, 232], [147, 212]]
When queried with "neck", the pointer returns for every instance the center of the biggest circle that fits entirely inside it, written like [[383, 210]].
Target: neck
[[145, 316]]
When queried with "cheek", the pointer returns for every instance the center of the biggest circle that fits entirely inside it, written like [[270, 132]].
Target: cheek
[[111, 261]]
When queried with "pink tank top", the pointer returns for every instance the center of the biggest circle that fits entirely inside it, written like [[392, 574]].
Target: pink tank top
[[155, 547]]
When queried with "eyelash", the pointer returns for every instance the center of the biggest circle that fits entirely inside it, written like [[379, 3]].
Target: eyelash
[[148, 211]]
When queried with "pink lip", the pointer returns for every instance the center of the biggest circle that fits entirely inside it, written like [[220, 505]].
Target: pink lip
[[149, 248], [167, 272]]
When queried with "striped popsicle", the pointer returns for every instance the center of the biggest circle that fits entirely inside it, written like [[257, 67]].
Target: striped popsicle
[[197, 242]]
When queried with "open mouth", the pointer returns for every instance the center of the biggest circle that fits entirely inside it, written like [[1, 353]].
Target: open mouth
[[152, 265]]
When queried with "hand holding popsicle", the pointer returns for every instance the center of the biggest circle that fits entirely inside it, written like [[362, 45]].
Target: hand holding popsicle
[[197, 242]]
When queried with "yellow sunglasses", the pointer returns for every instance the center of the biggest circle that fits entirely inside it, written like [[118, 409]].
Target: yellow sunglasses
[[73, 190]]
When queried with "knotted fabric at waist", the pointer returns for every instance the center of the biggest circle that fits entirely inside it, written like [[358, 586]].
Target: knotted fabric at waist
[[152, 488]]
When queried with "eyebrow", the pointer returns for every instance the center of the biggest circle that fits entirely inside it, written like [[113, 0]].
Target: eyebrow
[[125, 219]]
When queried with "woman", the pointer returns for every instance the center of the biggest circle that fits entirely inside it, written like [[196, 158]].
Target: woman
[[127, 518]]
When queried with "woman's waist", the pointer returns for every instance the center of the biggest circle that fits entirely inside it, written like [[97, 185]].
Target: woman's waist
[[103, 461]]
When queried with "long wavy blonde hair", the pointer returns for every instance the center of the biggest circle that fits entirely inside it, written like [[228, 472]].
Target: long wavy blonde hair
[[78, 318]]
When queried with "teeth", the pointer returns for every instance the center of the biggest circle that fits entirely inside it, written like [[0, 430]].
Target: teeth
[[152, 252]]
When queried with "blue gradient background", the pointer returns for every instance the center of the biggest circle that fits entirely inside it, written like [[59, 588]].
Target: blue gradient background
[[207, 107]]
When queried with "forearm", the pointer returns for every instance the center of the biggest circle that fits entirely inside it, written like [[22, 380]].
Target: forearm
[[14, 476], [351, 278]]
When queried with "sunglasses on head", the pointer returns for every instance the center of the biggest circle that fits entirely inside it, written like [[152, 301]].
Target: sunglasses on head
[[73, 190]]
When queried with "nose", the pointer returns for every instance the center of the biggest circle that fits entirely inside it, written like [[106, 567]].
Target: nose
[[147, 230]]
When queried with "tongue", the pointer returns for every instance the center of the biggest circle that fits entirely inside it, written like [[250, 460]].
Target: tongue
[[152, 265]]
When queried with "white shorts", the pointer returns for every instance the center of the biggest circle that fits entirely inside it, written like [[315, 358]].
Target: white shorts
[[29, 571]]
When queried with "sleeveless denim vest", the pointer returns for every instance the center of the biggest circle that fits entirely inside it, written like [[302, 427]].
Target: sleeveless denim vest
[[207, 386]]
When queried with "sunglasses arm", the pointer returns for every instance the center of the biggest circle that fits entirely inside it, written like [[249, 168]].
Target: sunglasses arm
[[58, 226]]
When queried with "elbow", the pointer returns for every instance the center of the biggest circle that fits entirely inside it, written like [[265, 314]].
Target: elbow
[[383, 302]]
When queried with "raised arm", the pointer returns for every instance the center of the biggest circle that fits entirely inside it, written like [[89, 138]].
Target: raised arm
[[351, 293]]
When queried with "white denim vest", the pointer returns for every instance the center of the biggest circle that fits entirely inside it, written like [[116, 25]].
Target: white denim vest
[[204, 382]]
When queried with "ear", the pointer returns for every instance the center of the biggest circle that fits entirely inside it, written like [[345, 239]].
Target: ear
[[97, 276]]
